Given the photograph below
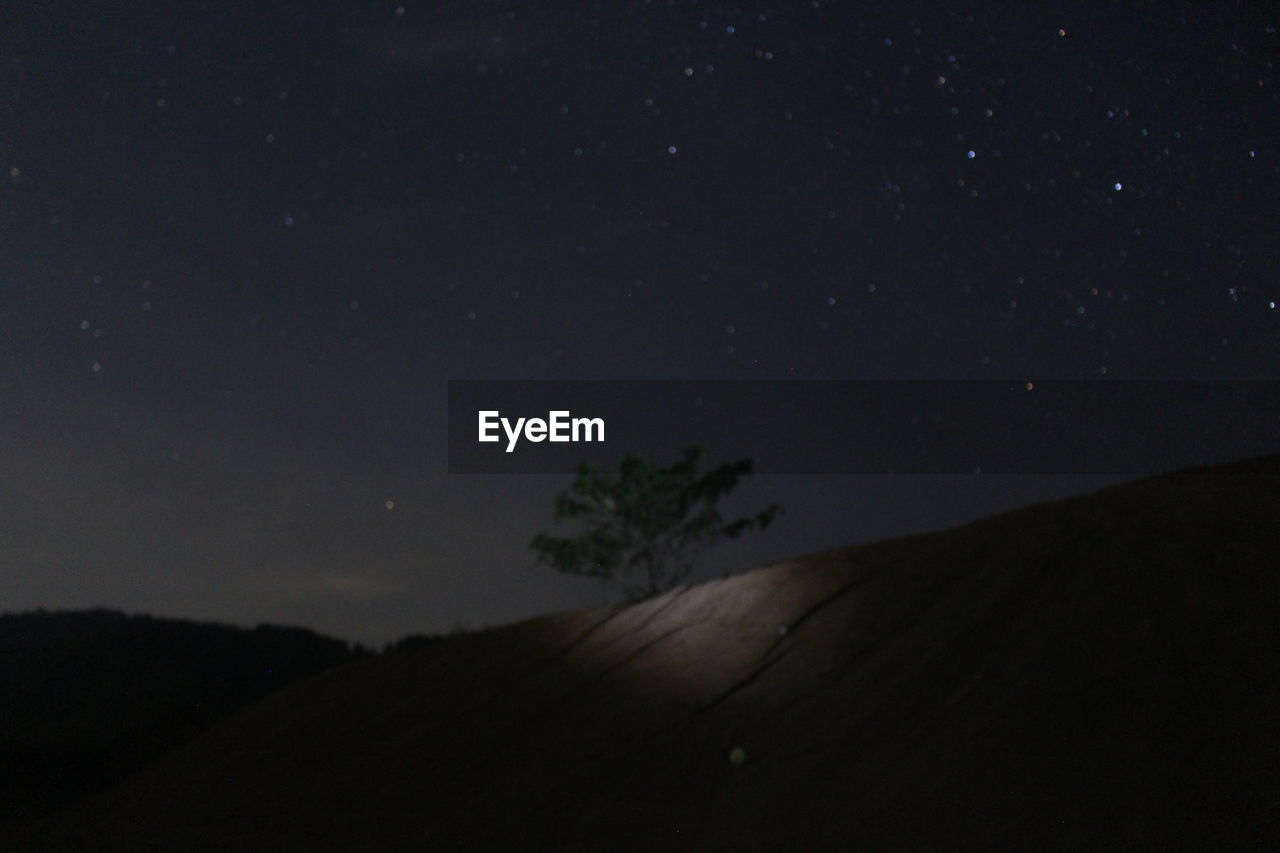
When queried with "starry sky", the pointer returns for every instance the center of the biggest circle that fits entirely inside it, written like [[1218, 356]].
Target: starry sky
[[244, 246]]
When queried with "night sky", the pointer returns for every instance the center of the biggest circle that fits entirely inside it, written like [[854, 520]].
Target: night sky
[[244, 246]]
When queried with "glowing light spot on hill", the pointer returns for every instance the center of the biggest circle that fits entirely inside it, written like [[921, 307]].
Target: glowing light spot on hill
[[390, 504], [737, 756]]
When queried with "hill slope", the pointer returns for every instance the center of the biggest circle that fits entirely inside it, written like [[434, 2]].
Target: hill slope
[[1095, 672]]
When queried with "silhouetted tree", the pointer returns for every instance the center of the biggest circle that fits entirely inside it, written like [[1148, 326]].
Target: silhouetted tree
[[645, 526]]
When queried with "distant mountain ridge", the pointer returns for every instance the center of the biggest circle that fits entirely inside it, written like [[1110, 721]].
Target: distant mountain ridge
[[89, 696], [1101, 672]]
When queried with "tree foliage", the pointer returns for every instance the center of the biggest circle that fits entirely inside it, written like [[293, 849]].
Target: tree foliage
[[644, 526]]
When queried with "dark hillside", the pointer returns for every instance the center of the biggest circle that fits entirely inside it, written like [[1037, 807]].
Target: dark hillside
[[90, 696], [1096, 673]]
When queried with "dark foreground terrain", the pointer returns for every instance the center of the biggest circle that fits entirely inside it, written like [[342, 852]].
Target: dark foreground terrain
[[90, 696], [1100, 672]]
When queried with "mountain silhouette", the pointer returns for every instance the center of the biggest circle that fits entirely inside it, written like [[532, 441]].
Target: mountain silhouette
[[91, 696]]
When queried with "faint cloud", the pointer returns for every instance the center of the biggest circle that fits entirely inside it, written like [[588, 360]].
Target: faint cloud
[[337, 583]]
